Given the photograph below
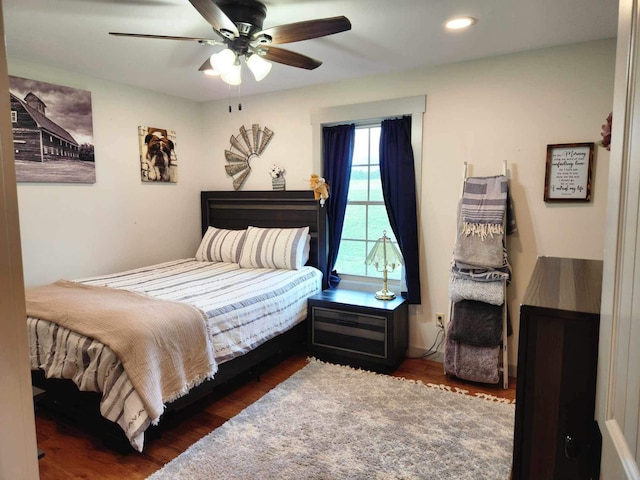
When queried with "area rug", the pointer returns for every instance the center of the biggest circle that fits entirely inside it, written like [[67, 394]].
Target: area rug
[[329, 422]]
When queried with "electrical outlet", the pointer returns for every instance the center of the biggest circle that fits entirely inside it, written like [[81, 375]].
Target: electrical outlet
[[440, 320]]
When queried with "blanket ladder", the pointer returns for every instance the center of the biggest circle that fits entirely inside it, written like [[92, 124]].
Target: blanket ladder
[[503, 369]]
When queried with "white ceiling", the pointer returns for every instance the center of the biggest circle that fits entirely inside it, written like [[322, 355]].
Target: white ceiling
[[386, 36]]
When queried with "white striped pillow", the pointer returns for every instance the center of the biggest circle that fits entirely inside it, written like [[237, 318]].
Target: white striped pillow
[[220, 245], [280, 248]]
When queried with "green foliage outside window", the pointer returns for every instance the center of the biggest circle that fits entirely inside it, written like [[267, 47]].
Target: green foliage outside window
[[366, 216]]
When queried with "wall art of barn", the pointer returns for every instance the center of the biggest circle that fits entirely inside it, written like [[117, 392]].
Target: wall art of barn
[[37, 138], [52, 132]]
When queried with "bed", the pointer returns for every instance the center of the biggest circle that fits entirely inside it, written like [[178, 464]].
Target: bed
[[240, 300]]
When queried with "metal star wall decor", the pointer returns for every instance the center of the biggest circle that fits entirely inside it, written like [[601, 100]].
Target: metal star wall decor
[[245, 146]]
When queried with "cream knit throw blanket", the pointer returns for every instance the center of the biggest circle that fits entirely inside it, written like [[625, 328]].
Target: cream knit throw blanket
[[164, 346]]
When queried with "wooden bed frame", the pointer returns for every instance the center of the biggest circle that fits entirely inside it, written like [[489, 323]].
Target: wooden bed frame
[[226, 209], [285, 209]]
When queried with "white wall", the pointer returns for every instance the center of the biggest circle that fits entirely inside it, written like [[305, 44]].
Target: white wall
[[74, 230], [482, 112]]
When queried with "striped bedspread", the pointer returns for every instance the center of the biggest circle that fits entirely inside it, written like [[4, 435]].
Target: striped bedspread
[[244, 308]]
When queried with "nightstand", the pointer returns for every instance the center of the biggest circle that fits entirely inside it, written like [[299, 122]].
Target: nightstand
[[356, 329]]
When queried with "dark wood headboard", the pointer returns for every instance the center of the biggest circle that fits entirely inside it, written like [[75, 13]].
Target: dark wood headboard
[[284, 209]]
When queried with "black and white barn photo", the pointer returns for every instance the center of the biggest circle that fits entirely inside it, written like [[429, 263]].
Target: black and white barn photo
[[52, 132]]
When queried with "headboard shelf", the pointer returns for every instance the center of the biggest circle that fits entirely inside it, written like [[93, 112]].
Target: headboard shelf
[[271, 208]]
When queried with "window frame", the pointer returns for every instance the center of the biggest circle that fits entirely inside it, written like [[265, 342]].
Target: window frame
[[368, 202], [366, 114]]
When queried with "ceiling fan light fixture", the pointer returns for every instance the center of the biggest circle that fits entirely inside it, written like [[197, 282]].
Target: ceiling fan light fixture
[[459, 23], [208, 69], [238, 25], [233, 76], [223, 61], [258, 66]]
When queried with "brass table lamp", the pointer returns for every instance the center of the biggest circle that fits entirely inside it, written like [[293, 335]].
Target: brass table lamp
[[385, 257]]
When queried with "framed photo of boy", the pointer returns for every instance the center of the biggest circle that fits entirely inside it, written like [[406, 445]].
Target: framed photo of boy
[[568, 172]]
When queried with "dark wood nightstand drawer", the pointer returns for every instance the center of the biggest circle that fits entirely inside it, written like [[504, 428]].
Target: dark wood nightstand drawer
[[357, 329], [351, 332]]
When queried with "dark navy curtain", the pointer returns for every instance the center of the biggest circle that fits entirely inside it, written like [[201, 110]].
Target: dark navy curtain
[[397, 173], [337, 145]]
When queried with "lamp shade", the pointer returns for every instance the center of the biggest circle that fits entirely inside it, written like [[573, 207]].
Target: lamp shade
[[258, 66], [385, 257], [223, 61], [207, 68], [384, 253], [211, 72], [232, 76]]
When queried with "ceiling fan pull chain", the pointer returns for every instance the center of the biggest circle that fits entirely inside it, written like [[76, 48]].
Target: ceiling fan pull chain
[[229, 97], [239, 103]]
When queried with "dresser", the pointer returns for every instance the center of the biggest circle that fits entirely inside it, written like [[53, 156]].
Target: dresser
[[556, 436], [357, 329]]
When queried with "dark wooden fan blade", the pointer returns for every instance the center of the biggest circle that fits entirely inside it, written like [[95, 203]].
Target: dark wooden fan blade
[[206, 65], [287, 57], [215, 16], [295, 32], [166, 37]]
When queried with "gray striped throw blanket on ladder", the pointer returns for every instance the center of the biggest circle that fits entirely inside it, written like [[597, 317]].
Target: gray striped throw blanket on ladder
[[484, 203]]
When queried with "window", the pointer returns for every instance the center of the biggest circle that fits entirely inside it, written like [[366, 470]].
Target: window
[[14, 116], [366, 216], [350, 263]]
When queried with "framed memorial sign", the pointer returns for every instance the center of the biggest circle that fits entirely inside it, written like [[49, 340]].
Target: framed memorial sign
[[568, 172]]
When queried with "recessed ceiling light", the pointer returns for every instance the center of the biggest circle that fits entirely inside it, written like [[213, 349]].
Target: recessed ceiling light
[[459, 23]]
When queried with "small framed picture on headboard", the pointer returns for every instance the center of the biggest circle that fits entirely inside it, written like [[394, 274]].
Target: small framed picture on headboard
[[568, 172]]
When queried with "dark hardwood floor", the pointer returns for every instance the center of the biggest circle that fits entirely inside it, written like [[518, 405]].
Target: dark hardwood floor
[[71, 453]]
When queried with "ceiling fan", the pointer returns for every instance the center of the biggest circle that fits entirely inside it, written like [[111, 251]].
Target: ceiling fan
[[238, 24]]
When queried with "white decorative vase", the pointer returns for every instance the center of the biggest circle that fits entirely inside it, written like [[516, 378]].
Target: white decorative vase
[[278, 183]]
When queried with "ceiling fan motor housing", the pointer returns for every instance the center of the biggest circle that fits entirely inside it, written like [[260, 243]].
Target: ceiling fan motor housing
[[248, 15]]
